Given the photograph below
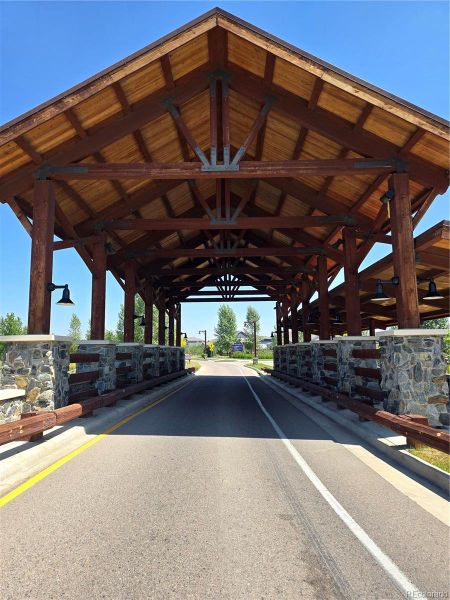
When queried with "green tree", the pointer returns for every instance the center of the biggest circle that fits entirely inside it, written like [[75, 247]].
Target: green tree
[[436, 323], [119, 326], [10, 324], [252, 315], [74, 331], [139, 309], [110, 335], [225, 329]]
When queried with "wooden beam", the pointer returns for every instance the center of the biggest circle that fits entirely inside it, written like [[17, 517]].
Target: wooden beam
[[20, 215], [98, 291], [130, 293], [150, 108], [246, 170], [324, 306], [221, 299], [171, 336], [219, 252], [148, 330], [41, 269], [315, 199], [334, 127], [92, 239], [172, 274], [161, 322], [206, 293], [352, 303], [403, 252], [194, 224]]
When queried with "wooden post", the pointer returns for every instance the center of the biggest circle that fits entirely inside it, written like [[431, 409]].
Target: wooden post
[[98, 291], [403, 252], [178, 323], [148, 329], [305, 310], [284, 308], [352, 301], [294, 319], [39, 306], [279, 327], [162, 322], [171, 323], [130, 292], [324, 307]]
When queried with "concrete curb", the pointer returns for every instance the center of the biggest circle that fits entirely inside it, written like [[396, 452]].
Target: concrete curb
[[382, 439], [22, 460]]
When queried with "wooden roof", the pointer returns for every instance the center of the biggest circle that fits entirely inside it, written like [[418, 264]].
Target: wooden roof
[[121, 116], [432, 262]]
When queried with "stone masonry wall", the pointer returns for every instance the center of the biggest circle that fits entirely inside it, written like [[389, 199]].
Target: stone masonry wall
[[318, 359], [40, 368], [304, 360], [106, 364], [347, 378], [413, 374], [135, 375]]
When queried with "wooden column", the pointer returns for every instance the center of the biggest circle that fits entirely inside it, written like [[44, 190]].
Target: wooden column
[[279, 325], [98, 299], [305, 310], [324, 307], [130, 293], [178, 324], [284, 307], [41, 269], [294, 319], [403, 252], [148, 329], [171, 323], [352, 302], [162, 322]]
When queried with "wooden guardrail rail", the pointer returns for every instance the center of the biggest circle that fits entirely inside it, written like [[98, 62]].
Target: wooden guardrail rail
[[366, 353], [399, 423], [37, 424]]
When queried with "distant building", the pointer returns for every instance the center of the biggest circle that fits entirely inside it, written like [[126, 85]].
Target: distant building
[[265, 342], [193, 341]]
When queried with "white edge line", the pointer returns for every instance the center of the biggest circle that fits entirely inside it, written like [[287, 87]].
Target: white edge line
[[398, 577]]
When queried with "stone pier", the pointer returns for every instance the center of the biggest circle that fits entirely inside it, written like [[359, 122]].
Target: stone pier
[[413, 371], [348, 379], [38, 365], [135, 374], [106, 365], [318, 359], [304, 360]]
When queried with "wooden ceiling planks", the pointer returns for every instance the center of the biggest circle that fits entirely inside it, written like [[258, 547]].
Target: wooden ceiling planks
[[319, 113]]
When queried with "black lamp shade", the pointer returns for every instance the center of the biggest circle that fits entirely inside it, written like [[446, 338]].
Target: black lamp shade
[[379, 293], [433, 294], [65, 298]]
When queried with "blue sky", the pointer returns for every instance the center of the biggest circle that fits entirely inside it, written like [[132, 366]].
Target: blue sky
[[46, 47]]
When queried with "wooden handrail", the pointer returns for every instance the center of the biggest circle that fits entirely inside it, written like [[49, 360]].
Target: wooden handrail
[[83, 376]]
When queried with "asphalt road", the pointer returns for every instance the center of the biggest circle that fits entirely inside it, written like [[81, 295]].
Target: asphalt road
[[200, 498]]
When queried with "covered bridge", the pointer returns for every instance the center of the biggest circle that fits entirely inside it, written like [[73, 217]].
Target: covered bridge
[[222, 156]]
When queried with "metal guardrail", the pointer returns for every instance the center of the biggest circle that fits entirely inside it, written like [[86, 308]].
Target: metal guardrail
[[402, 424]]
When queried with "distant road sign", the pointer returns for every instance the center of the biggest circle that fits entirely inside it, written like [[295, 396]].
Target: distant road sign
[[237, 348]]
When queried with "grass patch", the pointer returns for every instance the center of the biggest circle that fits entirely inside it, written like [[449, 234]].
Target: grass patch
[[193, 364], [260, 368], [434, 457]]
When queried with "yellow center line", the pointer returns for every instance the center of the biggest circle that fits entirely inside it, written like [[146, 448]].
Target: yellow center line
[[62, 461]]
